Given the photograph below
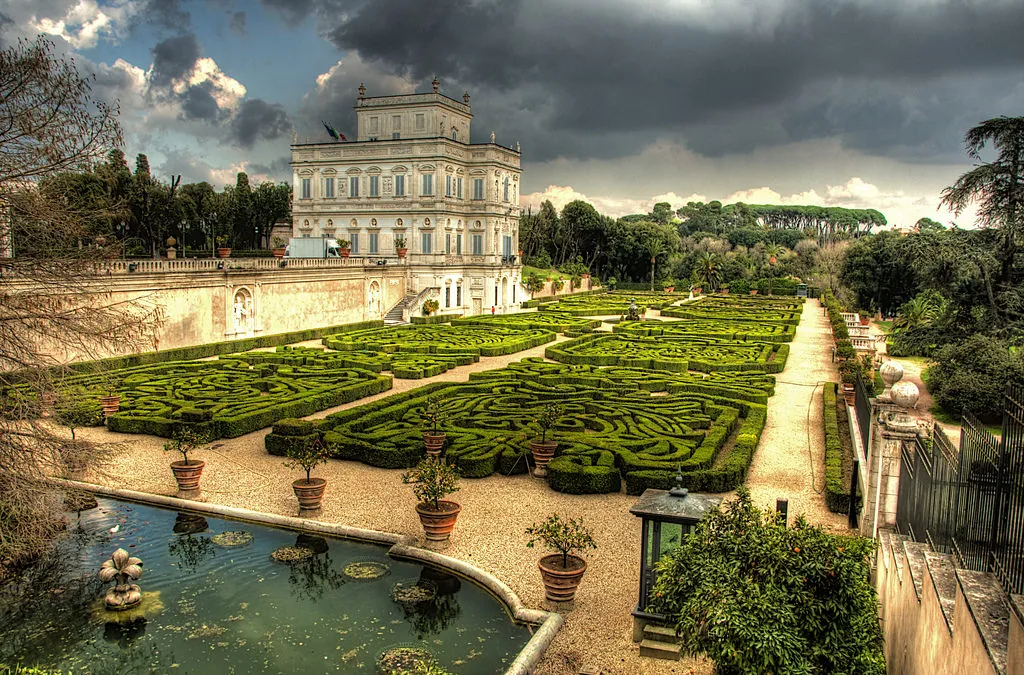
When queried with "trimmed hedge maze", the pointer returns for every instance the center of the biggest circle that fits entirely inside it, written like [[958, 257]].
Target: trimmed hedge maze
[[755, 310], [621, 424], [734, 331], [441, 339], [403, 365], [551, 321], [672, 354], [227, 397]]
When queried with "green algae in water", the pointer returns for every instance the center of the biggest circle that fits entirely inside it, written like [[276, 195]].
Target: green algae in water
[[367, 570], [232, 538]]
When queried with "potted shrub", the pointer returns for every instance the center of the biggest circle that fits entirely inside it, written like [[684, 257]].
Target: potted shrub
[[223, 248], [543, 450], [307, 456], [557, 285], [669, 286], [430, 306], [110, 399], [344, 248], [279, 246], [563, 569], [400, 247], [434, 415], [187, 471], [432, 480]]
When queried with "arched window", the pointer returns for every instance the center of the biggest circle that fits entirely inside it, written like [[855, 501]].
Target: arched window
[[455, 134]]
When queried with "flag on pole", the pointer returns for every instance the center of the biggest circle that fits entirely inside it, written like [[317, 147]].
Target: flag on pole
[[330, 130]]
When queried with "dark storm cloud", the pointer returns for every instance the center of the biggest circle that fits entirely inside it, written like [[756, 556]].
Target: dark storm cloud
[[237, 22], [5, 23], [165, 14], [173, 58], [197, 103], [279, 169], [615, 77], [256, 119], [293, 12]]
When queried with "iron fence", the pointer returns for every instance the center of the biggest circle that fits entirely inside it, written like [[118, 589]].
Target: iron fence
[[969, 501]]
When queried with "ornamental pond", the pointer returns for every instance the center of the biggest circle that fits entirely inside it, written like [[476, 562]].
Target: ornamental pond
[[215, 601]]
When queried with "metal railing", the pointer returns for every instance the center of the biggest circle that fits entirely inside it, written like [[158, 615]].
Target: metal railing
[[969, 501]]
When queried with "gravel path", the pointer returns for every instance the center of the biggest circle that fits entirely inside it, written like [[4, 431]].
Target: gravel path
[[489, 533], [789, 462]]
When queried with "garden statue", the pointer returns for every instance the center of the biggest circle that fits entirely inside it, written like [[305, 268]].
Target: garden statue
[[634, 311], [122, 570]]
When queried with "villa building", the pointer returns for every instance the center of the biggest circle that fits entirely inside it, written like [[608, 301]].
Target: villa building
[[412, 177]]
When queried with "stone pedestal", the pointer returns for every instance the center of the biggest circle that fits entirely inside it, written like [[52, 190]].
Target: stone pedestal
[[891, 428]]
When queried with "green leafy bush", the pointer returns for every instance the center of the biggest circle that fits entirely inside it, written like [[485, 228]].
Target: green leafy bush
[[564, 537], [758, 597], [432, 480], [973, 375]]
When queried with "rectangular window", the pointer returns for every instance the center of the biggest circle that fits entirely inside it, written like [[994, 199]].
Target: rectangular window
[[447, 296], [373, 242], [458, 244], [426, 242], [421, 122], [329, 187], [305, 189], [458, 296], [478, 244], [448, 186], [355, 242], [375, 186], [399, 186], [506, 246], [458, 193], [448, 244], [506, 189], [395, 135], [396, 122], [428, 185], [478, 188], [353, 186]]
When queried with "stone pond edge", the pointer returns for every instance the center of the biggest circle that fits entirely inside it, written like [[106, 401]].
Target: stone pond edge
[[401, 546]]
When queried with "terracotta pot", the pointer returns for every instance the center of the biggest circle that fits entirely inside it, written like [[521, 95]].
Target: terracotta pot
[[188, 475], [401, 252], [279, 252], [345, 252], [542, 454], [753, 292], [670, 289], [310, 494], [434, 442], [438, 525], [560, 583], [110, 404]]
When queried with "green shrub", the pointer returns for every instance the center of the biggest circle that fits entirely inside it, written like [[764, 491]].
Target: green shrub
[[837, 496], [973, 375]]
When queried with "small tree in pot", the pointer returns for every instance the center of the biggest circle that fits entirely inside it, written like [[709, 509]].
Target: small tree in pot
[[400, 247], [307, 456], [543, 450], [434, 416], [432, 480], [279, 246], [562, 570], [187, 471]]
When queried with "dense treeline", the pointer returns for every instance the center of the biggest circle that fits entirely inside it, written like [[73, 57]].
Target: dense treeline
[[703, 244], [138, 212]]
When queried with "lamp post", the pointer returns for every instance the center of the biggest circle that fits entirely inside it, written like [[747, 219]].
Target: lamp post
[[666, 517]]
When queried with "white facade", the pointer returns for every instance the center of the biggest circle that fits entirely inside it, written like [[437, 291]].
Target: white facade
[[412, 174]]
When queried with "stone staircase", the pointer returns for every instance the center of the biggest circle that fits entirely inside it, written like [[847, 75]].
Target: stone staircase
[[660, 642], [394, 317]]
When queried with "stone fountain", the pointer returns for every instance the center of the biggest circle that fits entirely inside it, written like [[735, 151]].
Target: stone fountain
[[122, 569]]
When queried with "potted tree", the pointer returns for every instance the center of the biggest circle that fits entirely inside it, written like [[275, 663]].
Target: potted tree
[[543, 450], [562, 570], [400, 248], [187, 471], [223, 248], [110, 399], [279, 246], [307, 456], [430, 306], [432, 480], [434, 415], [344, 248]]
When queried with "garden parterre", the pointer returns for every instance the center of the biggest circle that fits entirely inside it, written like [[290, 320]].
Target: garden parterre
[[620, 424], [441, 339], [551, 321]]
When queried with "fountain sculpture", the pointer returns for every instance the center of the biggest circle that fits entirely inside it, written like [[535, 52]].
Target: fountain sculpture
[[122, 570]]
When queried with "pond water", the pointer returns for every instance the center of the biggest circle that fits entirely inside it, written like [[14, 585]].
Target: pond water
[[233, 609]]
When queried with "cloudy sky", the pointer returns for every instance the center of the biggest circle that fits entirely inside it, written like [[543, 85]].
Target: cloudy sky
[[858, 103]]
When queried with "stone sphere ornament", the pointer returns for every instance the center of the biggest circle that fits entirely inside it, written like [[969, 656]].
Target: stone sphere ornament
[[905, 394], [122, 569], [891, 372]]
